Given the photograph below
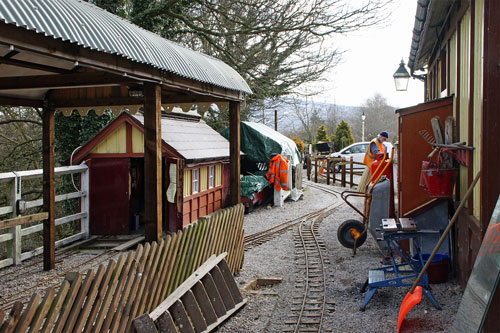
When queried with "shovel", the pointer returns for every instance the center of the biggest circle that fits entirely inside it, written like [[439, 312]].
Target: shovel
[[414, 296]]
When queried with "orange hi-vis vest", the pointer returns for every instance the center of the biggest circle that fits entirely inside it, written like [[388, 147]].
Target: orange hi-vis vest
[[369, 157], [278, 172]]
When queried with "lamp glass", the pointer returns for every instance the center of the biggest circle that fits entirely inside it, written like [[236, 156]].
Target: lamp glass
[[401, 77]]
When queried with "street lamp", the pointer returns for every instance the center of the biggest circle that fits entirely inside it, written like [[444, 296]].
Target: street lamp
[[401, 77], [363, 117]]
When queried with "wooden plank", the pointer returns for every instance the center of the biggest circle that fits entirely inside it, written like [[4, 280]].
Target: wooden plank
[[42, 310], [186, 285], [28, 313], [126, 323], [160, 276], [171, 260], [103, 286], [56, 306], [110, 315], [234, 153], [144, 324], [229, 279], [193, 265], [80, 298], [213, 294], [181, 318], [191, 258], [129, 244], [204, 223], [204, 302], [14, 316], [49, 190], [222, 288], [91, 296], [178, 259], [235, 255], [449, 131], [76, 281], [142, 283], [152, 162], [151, 276], [227, 315], [112, 285], [166, 323], [20, 220], [127, 296], [193, 309], [184, 270]]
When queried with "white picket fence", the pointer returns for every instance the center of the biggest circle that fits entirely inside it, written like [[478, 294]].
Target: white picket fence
[[15, 234]]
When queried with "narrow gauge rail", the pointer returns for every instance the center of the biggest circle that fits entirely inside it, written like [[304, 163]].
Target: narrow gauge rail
[[310, 305], [265, 235]]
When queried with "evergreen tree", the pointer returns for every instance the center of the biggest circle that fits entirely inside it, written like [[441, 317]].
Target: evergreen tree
[[322, 134], [342, 136]]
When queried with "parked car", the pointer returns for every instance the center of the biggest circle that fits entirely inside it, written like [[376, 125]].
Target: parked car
[[357, 151]]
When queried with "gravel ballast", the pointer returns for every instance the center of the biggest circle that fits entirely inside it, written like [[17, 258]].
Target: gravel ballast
[[268, 308]]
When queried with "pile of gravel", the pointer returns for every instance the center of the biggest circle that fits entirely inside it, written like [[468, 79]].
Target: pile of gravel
[[268, 308]]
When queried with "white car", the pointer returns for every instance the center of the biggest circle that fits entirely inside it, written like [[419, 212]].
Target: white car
[[357, 151]]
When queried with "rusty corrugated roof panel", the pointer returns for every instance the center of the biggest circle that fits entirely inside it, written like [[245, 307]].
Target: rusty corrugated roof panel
[[89, 26]]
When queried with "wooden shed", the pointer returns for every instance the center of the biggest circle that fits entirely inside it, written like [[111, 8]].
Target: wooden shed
[[195, 161]]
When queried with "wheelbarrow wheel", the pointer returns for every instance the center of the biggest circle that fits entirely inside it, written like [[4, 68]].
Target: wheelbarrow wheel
[[347, 231]]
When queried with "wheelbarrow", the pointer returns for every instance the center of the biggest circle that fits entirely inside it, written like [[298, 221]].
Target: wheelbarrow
[[352, 233]]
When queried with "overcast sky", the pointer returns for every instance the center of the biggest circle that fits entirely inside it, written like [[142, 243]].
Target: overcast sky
[[371, 58]]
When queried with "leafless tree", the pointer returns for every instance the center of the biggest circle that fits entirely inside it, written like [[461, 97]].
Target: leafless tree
[[379, 117]]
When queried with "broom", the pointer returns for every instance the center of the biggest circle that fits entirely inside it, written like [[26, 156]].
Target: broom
[[414, 296]]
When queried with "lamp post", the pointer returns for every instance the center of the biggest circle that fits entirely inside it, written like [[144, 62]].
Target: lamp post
[[363, 117], [401, 77]]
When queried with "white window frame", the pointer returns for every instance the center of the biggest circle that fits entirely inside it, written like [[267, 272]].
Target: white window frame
[[195, 181], [211, 176]]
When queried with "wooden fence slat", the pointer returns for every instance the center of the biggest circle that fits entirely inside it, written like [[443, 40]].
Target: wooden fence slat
[[77, 306], [28, 313], [193, 249], [135, 286], [178, 258], [235, 255], [223, 289], [75, 279], [213, 294], [42, 310], [226, 221], [220, 235], [94, 288], [189, 253], [209, 238], [204, 222], [9, 223], [144, 324], [233, 232], [142, 284], [2, 316], [110, 313], [181, 318], [159, 282], [151, 276], [56, 306], [186, 234], [166, 323], [194, 311], [229, 279], [127, 296], [14, 316], [214, 233], [103, 311], [169, 266], [100, 295]]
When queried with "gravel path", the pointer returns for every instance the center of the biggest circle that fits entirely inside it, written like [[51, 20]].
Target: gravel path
[[268, 308]]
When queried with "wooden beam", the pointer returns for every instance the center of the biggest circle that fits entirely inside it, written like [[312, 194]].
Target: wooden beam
[[49, 190], [234, 151], [88, 102], [53, 81], [12, 101], [152, 162], [26, 64], [23, 220]]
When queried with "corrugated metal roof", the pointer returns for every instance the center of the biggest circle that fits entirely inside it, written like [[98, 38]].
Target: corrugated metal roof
[[194, 140], [89, 26]]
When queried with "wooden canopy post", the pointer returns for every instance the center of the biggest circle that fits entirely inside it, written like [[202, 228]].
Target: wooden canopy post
[[152, 162], [49, 190], [234, 151]]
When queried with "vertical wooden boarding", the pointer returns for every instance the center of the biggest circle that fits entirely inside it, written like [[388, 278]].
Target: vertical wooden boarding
[[234, 152], [189, 252], [160, 274], [49, 190], [28, 313], [75, 279], [91, 296], [42, 310], [179, 258], [56, 307], [150, 276], [80, 298], [171, 260]]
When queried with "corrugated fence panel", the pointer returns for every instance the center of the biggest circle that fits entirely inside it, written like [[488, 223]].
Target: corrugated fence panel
[[111, 298]]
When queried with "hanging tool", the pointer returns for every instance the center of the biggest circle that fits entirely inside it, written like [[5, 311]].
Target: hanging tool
[[414, 296]]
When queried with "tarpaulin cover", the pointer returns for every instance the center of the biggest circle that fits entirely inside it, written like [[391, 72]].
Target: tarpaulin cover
[[259, 142], [251, 185]]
